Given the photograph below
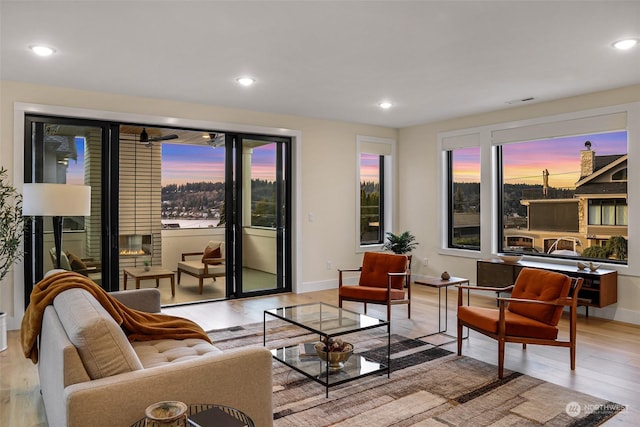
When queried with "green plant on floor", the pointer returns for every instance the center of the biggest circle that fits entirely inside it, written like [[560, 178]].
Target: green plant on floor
[[400, 243], [11, 224]]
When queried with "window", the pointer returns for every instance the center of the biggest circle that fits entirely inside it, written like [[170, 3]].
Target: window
[[371, 199], [374, 184], [545, 183], [464, 198], [553, 187], [608, 212]]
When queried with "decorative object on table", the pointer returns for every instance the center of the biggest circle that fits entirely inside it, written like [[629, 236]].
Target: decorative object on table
[[307, 349], [336, 351], [510, 258], [170, 413], [215, 417], [593, 267], [445, 276], [11, 227], [56, 201], [147, 266], [581, 266]]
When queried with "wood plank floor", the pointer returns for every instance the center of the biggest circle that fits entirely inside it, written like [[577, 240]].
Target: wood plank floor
[[608, 356]]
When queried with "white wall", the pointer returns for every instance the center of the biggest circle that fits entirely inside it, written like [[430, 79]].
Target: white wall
[[324, 184], [418, 176]]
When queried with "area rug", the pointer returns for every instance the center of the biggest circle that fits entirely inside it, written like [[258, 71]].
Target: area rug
[[428, 386]]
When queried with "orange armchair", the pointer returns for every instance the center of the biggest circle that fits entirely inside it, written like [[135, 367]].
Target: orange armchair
[[382, 281], [529, 316]]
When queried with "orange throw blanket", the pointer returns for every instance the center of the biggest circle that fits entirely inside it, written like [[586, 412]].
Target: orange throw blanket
[[137, 325]]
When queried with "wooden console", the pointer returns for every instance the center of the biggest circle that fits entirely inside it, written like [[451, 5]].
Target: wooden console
[[600, 287]]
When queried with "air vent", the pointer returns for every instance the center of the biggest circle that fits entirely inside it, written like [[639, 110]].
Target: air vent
[[520, 101]]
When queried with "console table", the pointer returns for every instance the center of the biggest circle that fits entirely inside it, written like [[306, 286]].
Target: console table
[[599, 289]]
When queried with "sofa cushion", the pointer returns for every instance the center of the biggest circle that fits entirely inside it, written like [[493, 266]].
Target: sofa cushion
[[76, 262], [160, 352], [211, 252], [101, 343]]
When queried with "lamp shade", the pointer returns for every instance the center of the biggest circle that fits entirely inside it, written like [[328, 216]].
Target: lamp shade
[[56, 200]]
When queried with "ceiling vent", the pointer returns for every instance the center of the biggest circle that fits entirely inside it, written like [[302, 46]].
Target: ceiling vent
[[520, 101]]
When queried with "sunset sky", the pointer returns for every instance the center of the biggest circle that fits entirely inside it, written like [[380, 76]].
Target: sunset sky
[[190, 163], [524, 162]]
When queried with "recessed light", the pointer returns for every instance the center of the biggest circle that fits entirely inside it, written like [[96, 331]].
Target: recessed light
[[41, 50], [246, 81], [625, 44], [385, 105]]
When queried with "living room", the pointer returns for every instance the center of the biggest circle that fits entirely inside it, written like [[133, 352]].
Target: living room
[[325, 162]]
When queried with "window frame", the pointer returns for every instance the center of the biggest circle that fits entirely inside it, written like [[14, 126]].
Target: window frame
[[386, 148], [489, 137]]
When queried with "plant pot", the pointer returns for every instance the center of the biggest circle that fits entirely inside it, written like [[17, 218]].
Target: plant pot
[[3, 331]]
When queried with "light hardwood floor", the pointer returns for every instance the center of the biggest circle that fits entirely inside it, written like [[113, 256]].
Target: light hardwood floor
[[608, 356]]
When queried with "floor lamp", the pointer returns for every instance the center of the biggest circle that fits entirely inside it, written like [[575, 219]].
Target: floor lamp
[[57, 201]]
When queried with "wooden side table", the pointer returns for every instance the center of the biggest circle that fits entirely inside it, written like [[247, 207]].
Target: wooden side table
[[437, 282], [154, 273]]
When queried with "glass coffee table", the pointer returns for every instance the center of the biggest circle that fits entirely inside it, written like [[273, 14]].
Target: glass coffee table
[[319, 320]]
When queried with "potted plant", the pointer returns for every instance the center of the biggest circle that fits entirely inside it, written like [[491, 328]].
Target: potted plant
[[147, 265], [11, 228], [400, 243]]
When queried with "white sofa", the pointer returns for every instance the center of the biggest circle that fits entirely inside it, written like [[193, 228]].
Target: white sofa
[[90, 375]]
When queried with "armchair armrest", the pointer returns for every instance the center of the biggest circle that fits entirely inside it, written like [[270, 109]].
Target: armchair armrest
[[556, 302], [346, 270], [485, 288], [140, 299], [186, 254]]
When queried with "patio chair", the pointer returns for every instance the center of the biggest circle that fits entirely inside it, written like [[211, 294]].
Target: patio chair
[[207, 264]]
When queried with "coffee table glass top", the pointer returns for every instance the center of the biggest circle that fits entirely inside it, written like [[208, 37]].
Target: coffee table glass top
[[326, 319]]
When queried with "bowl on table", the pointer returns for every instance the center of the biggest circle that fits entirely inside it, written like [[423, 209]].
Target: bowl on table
[[510, 258]]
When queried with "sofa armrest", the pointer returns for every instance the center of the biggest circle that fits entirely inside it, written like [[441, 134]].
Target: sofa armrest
[[240, 379], [140, 299]]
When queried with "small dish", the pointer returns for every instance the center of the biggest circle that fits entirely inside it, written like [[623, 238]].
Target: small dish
[[512, 259], [166, 411]]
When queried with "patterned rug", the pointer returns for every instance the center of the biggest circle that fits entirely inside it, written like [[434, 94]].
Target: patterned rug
[[429, 386]]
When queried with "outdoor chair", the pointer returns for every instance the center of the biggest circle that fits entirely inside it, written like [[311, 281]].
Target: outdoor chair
[[207, 264]]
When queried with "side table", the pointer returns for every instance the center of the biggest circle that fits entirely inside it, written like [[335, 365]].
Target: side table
[[242, 418], [154, 273], [437, 282]]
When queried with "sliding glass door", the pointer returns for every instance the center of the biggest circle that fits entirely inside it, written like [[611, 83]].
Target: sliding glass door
[[259, 194], [69, 151]]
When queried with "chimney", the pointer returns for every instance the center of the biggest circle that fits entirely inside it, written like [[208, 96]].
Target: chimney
[[587, 160]]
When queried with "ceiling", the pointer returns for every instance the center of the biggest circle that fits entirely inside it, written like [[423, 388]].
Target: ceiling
[[327, 59]]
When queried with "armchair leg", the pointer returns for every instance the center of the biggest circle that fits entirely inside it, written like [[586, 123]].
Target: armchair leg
[[572, 351], [409, 310], [388, 312], [200, 285], [179, 276], [365, 308], [459, 338], [500, 358]]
